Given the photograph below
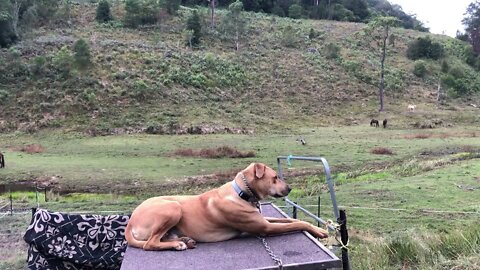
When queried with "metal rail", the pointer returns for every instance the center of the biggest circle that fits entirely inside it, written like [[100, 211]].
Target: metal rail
[[329, 182]]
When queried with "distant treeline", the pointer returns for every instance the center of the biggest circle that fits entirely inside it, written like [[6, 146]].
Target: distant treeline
[[338, 10]]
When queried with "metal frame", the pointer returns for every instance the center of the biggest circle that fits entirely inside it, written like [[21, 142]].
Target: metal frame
[[329, 182]]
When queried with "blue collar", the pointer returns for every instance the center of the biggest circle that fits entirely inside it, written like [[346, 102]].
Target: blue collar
[[242, 194]]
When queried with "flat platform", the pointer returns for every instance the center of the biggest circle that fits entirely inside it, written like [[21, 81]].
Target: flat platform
[[297, 250]]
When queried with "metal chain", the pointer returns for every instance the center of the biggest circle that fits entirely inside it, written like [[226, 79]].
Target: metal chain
[[274, 257]]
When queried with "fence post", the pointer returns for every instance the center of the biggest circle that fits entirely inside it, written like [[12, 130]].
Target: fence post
[[318, 211], [344, 237], [46, 200], [294, 211]]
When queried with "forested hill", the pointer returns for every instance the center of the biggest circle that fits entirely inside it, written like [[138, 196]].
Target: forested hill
[[252, 71]]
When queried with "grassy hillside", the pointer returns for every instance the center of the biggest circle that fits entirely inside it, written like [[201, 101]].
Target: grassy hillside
[[279, 79]]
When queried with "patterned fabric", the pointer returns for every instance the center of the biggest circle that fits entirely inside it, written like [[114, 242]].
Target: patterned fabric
[[65, 241]]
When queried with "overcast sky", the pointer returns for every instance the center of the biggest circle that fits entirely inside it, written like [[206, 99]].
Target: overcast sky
[[441, 16]]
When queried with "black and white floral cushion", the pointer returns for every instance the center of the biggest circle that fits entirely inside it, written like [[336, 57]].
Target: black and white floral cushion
[[66, 241]]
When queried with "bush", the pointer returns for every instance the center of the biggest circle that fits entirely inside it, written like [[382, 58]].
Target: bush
[[38, 65], [425, 48], [63, 61], [332, 51], [194, 24], [103, 12], [277, 10], [295, 11], [4, 95], [172, 6], [289, 37], [420, 69], [82, 54], [381, 151], [141, 12]]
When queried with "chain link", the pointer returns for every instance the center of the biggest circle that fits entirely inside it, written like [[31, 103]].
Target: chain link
[[272, 255]]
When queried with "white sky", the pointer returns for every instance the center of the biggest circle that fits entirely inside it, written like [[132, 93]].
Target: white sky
[[441, 16]]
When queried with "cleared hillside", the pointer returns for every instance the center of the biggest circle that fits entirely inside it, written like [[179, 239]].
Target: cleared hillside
[[148, 80]]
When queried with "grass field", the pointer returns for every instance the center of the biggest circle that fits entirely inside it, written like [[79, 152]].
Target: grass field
[[429, 186]]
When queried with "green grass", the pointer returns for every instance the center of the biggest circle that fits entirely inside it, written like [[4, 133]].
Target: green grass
[[393, 202], [85, 163]]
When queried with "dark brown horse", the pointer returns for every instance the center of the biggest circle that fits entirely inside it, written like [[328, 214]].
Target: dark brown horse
[[2, 161]]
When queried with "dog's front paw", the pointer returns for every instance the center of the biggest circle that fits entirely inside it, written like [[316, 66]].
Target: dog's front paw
[[181, 246], [321, 233]]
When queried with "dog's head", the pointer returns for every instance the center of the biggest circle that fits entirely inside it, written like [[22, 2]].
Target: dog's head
[[264, 181]]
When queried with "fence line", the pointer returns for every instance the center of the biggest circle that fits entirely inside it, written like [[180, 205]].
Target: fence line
[[400, 209]]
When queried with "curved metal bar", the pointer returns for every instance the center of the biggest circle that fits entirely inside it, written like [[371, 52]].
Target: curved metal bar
[[328, 179]]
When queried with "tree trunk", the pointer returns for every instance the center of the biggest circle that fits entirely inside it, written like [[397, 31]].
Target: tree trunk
[[382, 69], [15, 16], [212, 7], [237, 38]]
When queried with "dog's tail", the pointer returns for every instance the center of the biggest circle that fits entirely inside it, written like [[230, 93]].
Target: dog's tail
[[131, 239]]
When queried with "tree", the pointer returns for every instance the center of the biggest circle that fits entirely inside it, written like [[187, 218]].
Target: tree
[[63, 61], [234, 22], [7, 34], [295, 11], [379, 30], [424, 48], [172, 6], [103, 12], [212, 10], [82, 54], [472, 25], [194, 24]]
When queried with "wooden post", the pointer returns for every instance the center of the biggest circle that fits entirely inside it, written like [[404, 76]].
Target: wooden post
[[294, 211], [318, 210], [11, 204], [344, 237], [46, 200]]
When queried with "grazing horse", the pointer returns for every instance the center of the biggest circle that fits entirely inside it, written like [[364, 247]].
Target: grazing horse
[[411, 107], [374, 123], [384, 123], [2, 161]]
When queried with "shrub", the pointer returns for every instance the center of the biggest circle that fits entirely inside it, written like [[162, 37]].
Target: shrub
[[295, 11], [194, 24], [289, 37], [63, 61], [82, 54], [425, 48], [277, 10], [420, 68], [39, 63], [445, 67], [381, 151], [4, 95], [103, 12], [172, 6], [141, 12], [332, 51]]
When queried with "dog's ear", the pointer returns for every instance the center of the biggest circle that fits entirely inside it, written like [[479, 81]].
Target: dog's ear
[[259, 170]]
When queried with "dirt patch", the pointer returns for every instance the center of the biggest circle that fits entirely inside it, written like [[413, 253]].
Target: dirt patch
[[219, 152], [417, 136], [30, 149], [450, 151]]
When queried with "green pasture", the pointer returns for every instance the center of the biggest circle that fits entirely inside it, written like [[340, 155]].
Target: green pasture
[[112, 163], [422, 202]]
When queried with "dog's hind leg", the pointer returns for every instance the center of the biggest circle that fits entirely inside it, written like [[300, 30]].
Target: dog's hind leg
[[165, 220]]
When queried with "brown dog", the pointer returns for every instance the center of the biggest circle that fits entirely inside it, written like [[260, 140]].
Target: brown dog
[[176, 222]]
